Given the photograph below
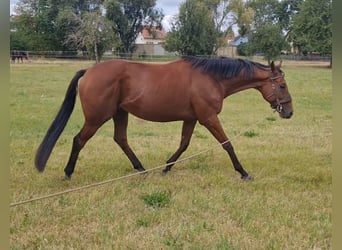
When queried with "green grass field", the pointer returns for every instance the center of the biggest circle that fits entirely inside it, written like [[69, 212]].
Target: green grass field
[[201, 203]]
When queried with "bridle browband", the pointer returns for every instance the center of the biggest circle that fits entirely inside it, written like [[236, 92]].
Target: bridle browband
[[279, 104]]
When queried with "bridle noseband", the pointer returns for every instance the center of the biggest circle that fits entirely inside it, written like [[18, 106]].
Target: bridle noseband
[[279, 104]]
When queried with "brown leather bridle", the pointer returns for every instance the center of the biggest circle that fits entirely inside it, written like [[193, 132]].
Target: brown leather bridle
[[278, 106]]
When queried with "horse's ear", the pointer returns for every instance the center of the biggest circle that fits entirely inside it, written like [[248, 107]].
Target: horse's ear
[[272, 66]]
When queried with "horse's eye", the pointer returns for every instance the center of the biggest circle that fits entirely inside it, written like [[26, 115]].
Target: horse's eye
[[282, 86]]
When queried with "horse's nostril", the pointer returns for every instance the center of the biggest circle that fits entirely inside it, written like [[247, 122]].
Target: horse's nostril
[[290, 114]]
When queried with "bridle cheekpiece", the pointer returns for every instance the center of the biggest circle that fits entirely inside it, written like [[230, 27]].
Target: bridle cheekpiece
[[278, 106]]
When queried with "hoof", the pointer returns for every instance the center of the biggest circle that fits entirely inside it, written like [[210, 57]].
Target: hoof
[[166, 170], [67, 178], [247, 178], [140, 169]]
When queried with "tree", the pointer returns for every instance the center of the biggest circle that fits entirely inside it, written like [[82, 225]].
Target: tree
[[203, 25], [93, 32], [266, 35], [193, 32], [34, 25], [243, 15], [43, 24], [66, 24], [19, 36], [286, 10], [129, 17], [269, 40], [312, 27], [265, 11]]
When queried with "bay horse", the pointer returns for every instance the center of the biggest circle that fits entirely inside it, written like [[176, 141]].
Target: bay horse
[[16, 54], [189, 89]]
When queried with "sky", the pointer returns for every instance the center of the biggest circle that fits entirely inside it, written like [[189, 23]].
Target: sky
[[169, 7]]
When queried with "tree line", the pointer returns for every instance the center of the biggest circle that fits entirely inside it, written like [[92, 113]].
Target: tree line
[[200, 28]]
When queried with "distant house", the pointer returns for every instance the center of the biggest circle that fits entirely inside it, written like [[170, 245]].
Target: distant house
[[150, 41], [229, 47], [238, 41], [151, 36]]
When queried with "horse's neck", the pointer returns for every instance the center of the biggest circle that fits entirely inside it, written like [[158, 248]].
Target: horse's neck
[[238, 84], [234, 86]]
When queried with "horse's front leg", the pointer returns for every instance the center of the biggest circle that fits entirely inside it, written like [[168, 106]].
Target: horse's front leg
[[120, 137], [214, 126], [187, 130]]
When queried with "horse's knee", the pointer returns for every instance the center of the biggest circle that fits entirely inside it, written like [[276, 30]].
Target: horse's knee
[[121, 141]]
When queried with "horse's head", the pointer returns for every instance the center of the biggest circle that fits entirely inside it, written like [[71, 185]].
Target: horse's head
[[275, 91]]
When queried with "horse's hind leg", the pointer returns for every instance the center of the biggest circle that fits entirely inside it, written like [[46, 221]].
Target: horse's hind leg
[[187, 130], [78, 143], [120, 137]]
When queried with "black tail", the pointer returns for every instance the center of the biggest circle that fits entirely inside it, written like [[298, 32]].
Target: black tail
[[58, 124]]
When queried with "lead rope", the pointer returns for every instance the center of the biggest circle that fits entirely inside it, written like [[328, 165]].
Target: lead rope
[[129, 175]]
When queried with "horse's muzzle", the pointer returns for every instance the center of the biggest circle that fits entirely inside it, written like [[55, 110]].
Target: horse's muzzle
[[286, 115], [283, 111]]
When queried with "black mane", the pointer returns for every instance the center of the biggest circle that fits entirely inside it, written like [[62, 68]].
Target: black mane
[[225, 67]]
